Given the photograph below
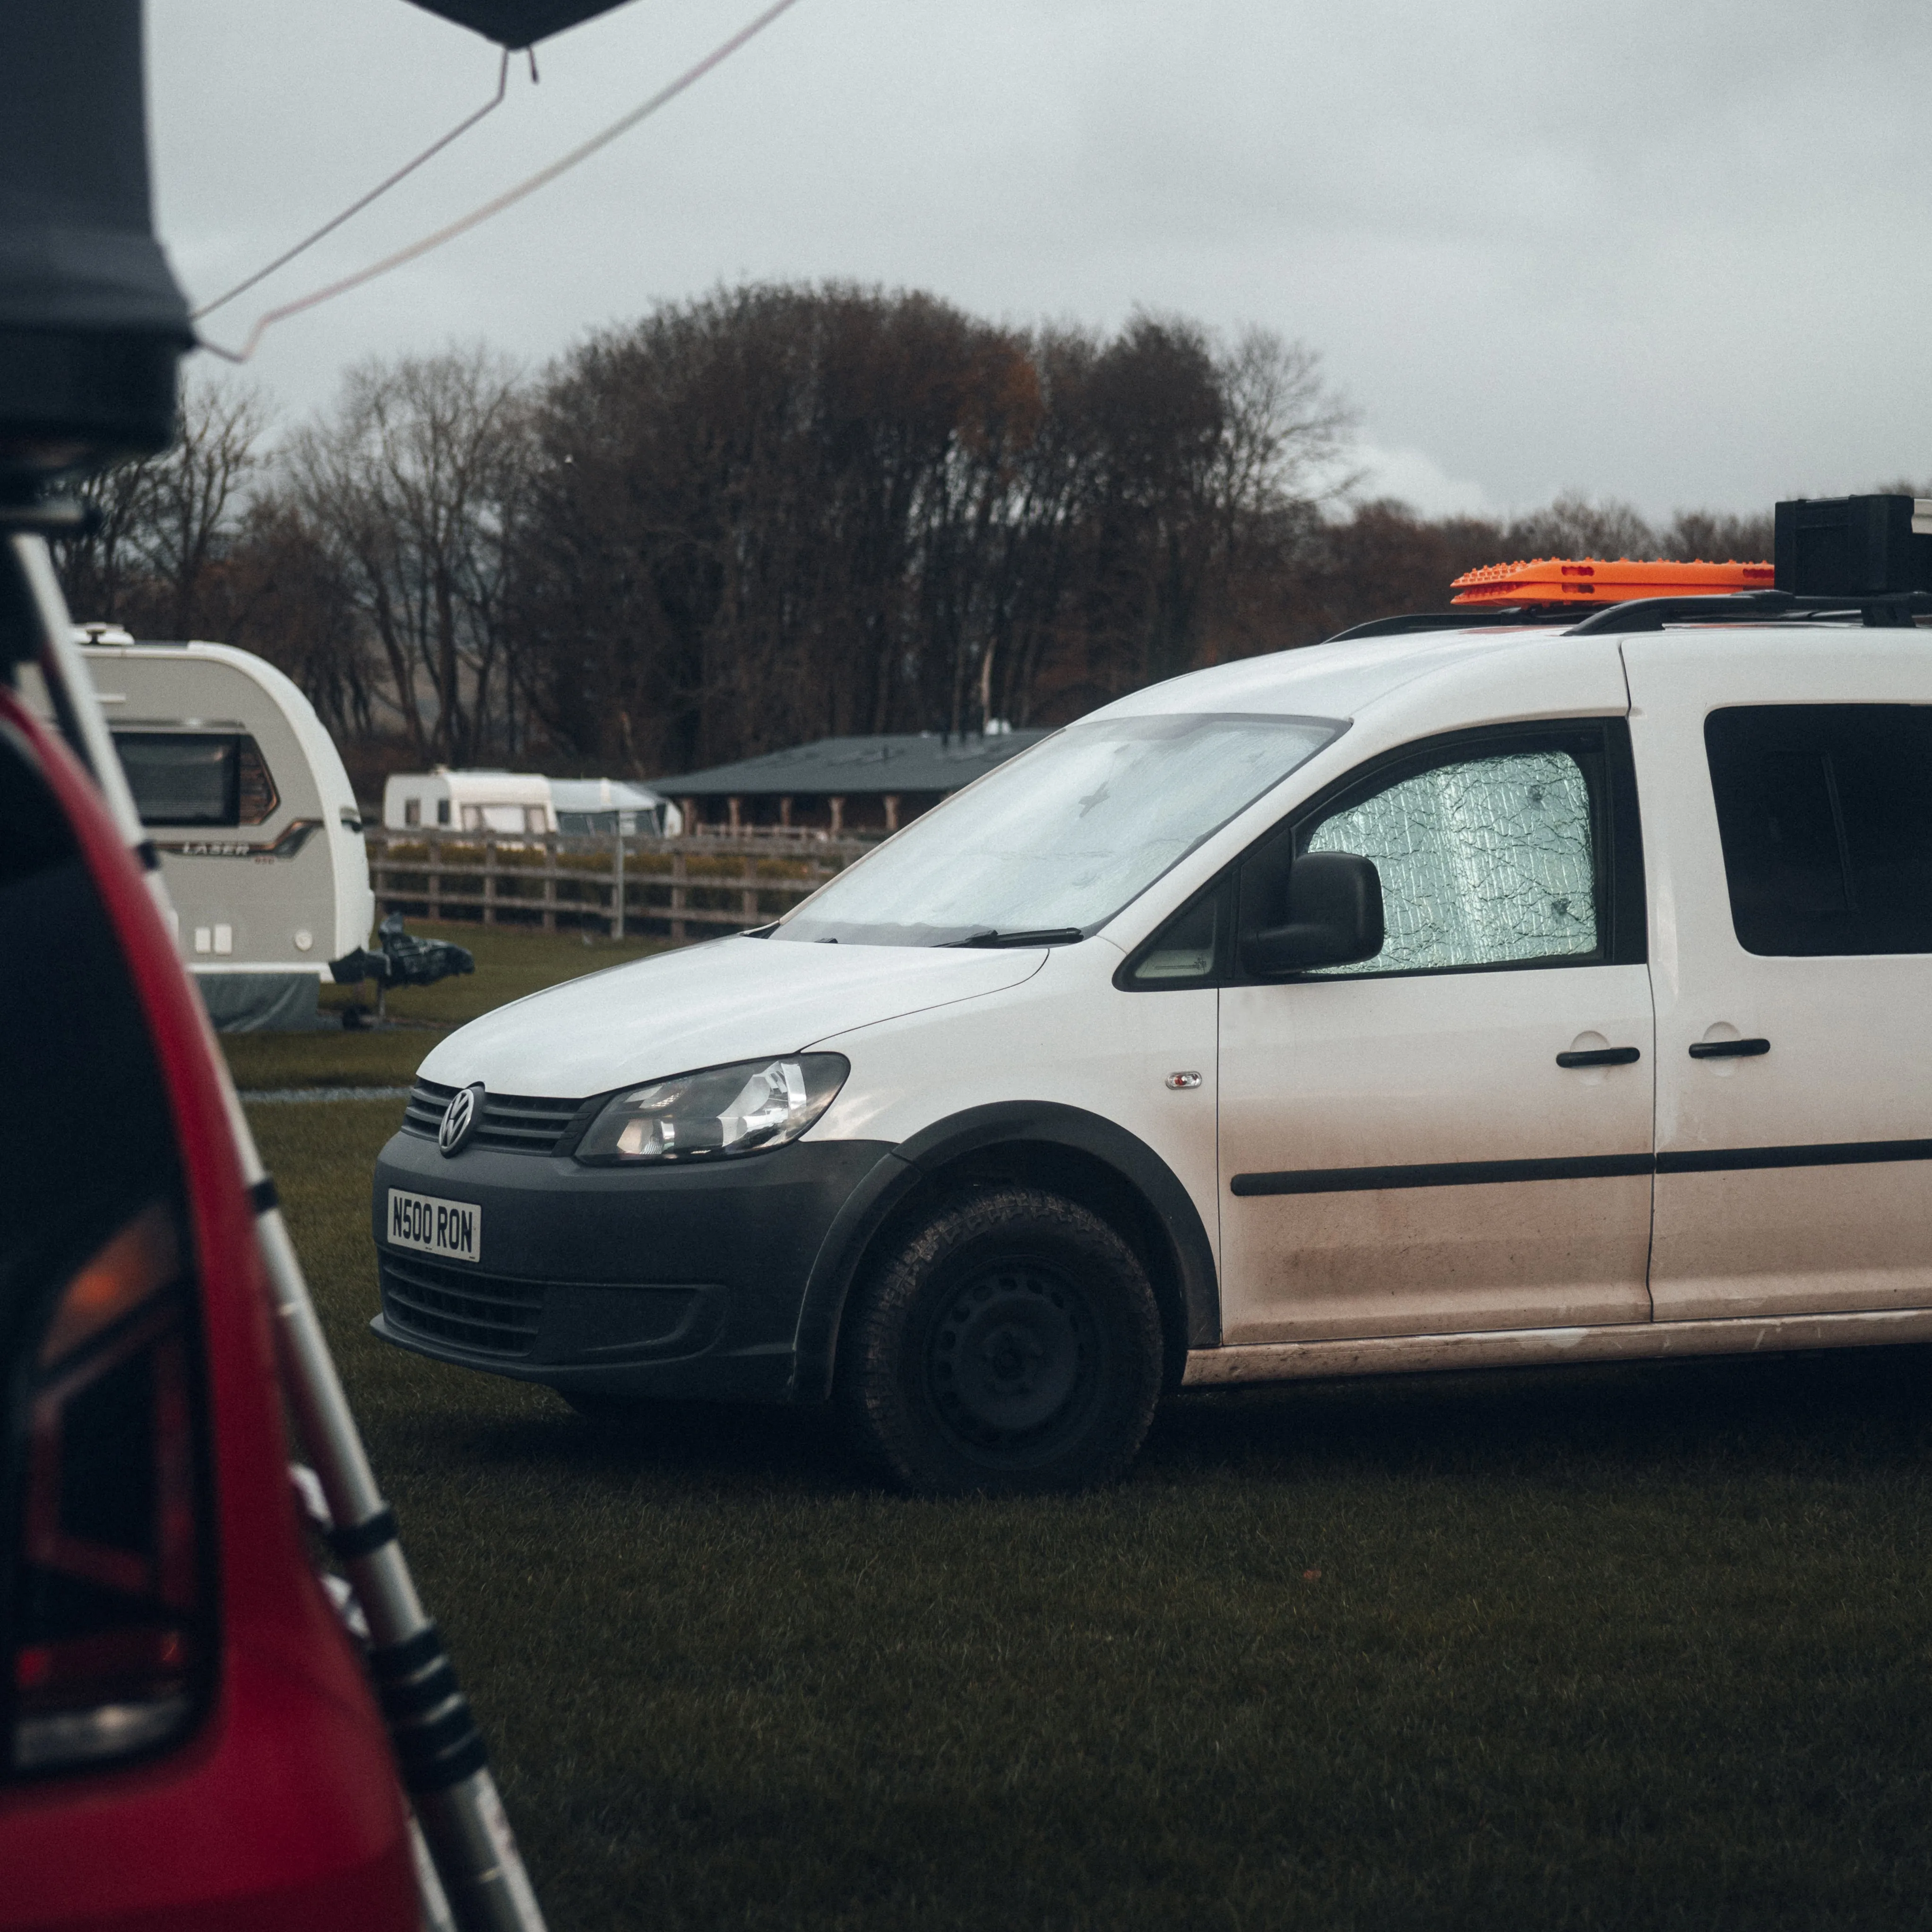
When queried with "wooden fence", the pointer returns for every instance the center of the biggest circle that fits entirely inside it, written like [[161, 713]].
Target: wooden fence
[[679, 888]]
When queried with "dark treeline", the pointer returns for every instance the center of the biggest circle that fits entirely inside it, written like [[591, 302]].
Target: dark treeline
[[781, 513]]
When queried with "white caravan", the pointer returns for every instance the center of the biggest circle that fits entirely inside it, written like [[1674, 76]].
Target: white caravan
[[590, 807], [502, 804], [252, 814], [514, 805]]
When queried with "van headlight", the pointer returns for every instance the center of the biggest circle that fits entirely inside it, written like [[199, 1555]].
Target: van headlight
[[742, 1109]]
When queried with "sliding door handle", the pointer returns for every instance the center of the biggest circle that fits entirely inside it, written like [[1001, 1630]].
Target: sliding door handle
[[1600, 1056], [1728, 1049]]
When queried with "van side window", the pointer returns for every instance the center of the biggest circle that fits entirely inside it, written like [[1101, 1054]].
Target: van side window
[[1486, 861], [1825, 811]]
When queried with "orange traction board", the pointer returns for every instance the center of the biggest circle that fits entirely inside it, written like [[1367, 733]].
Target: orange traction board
[[1564, 580]]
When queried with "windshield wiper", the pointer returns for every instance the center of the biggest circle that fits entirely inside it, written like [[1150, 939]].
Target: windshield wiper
[[1045, 935]]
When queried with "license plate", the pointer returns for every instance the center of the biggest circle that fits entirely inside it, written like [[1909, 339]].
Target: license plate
[[453, 1229]]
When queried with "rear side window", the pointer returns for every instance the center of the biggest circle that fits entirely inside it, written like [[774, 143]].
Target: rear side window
[[197, 777], [1825, 811]]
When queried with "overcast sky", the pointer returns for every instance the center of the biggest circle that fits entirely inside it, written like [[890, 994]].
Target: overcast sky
[[1674, 253]]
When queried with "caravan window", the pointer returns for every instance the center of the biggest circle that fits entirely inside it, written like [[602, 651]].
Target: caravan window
[[197, 777], [412, 812]]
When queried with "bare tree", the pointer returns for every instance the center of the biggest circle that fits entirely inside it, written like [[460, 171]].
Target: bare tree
[[296, 607], [1702, 536], [1286, 432], [199, 488], [99, 568], [785, 511], [410, 488], [163, 527], [1574, 526]]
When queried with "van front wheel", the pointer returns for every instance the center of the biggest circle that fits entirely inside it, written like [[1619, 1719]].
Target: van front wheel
[[1009, 1344]]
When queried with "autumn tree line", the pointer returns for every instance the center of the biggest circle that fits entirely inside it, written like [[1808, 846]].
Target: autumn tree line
[[781, 513]]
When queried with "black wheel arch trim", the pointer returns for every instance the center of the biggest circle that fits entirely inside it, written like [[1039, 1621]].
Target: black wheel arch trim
[[915, 1161]]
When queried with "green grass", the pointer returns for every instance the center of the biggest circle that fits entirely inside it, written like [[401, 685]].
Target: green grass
[[1644, 1647], [510, 963]]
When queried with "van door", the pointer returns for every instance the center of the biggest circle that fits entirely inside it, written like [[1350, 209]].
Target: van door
[[1788, 785], [1456, 1134]]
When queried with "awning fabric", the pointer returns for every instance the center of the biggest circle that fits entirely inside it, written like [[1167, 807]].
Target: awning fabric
[[518, 23]]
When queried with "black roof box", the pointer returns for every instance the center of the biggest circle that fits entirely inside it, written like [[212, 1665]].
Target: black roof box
[[1854, 546]]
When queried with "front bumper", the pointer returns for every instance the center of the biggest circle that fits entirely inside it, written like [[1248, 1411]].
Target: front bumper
[[645, 1282]]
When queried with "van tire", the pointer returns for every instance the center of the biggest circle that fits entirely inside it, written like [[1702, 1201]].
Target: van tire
[[1008, 1345]]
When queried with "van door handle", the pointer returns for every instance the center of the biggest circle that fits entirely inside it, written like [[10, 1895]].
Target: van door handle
[[1728, 1049], [1600, 1056]]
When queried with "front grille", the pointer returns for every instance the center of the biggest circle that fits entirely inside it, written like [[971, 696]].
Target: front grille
[[514, 1122], [481, 1312]]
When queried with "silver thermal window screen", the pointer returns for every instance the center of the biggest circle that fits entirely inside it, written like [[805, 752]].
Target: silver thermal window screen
[[1481, 862]]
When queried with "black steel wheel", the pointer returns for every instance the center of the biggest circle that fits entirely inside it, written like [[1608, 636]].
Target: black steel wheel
[[1009, 1343]]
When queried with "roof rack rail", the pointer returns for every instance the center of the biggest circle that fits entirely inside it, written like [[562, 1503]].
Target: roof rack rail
[[1896, 611], [1475, 619]]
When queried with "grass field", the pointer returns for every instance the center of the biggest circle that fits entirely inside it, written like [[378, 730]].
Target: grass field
[[509, 963], [1636, 1647]]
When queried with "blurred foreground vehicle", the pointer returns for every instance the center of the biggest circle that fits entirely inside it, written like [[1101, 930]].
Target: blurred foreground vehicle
[[189, 1737]]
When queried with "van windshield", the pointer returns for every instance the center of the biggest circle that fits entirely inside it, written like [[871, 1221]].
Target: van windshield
[[1049, 846]]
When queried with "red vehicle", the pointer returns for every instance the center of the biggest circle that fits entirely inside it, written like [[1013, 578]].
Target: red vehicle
[[188, 1738]]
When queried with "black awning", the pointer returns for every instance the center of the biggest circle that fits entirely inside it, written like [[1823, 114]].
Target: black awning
[[518, 23]]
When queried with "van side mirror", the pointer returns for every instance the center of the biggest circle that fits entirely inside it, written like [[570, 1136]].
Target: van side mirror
[[1334, 917]]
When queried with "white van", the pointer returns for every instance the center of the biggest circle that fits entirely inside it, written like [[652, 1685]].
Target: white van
[[1504, 994], [253, 816]]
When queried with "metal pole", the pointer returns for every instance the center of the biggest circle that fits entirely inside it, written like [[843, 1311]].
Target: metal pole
[[437, 1745], [617, 902]]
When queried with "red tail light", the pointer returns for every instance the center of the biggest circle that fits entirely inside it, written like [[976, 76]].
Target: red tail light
[[112, 1641]]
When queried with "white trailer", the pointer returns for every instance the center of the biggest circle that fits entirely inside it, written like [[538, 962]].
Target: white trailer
[[587, 807], [506, 804], [252, 813]]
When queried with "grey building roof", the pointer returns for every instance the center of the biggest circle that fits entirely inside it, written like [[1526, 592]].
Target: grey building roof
[[905, 761]]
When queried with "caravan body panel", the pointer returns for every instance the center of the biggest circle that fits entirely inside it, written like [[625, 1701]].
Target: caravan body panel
[[252, 812]]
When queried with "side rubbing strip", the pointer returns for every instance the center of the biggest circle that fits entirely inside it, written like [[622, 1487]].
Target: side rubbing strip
[[1441, 1174], [1582, 1167], [1838, 1153]]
